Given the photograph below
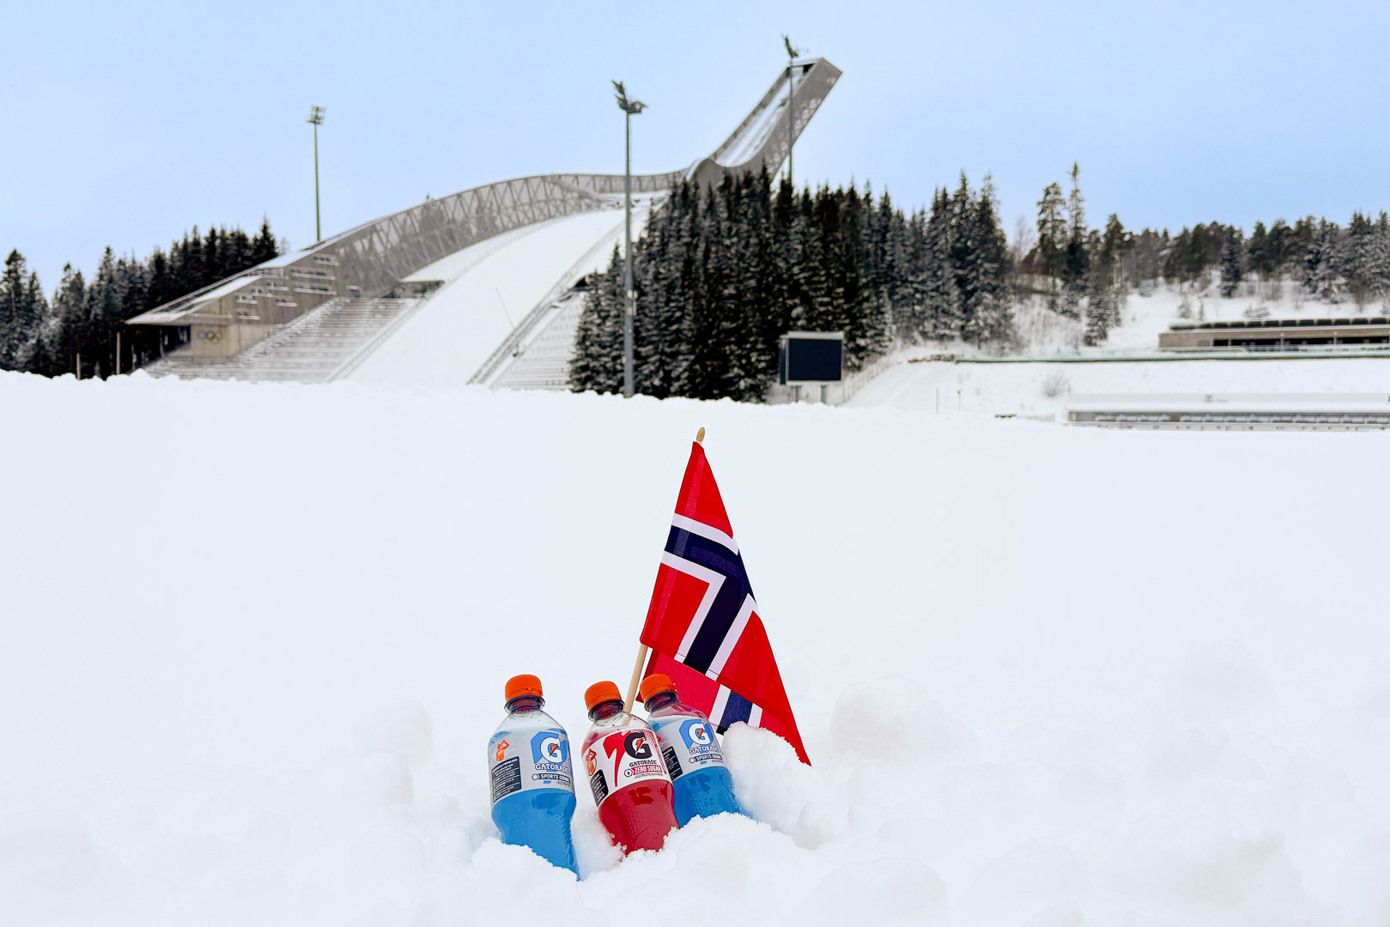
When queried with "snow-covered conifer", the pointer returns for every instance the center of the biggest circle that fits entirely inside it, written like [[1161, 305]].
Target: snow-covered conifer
[[1231, 253], [598, 342], [1321, 264]]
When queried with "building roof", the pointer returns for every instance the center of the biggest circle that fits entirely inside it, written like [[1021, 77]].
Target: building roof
[[1280, 323]]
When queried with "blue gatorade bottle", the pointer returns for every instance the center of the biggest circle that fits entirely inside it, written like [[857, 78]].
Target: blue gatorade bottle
[[528, 761], [690, 748]]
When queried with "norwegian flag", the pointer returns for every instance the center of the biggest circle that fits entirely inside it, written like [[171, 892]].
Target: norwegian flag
[[703, 626]]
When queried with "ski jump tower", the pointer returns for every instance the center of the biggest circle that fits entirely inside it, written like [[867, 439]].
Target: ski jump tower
[[359, 278]]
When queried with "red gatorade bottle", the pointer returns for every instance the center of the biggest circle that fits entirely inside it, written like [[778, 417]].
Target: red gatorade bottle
[[629, 780]]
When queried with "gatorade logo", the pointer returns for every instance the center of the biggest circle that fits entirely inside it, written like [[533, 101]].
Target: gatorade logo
[[627, 757], [549, 747], [635, 745], [696, 733], [502, 746]]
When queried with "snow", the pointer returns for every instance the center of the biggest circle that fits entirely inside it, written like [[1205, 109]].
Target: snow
[[490, 288], [1045, 333], [452, 266], [1146, 316], [1048, 676], [1051, 374], [1024, 388]]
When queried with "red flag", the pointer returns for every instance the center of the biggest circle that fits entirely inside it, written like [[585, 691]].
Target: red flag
[[703, 625]]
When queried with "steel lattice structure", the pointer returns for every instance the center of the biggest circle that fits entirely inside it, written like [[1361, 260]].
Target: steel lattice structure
[[372, 259], [382, 252], [812, 82]]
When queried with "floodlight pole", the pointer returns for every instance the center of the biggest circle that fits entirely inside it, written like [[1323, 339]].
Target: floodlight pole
[[629, 307], [630, 108], [316, 120]]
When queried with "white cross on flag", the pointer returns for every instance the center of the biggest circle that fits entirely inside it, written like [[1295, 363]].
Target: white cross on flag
[[703, 626]]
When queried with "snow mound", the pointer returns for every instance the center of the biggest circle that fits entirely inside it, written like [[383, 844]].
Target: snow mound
[[1047, 677]]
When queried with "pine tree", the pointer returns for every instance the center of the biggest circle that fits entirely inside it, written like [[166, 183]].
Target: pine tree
[[598, 345], [984, 263], [1321, 277], [941, 295], [1281, 249], [23, 311], [1358, 260], [33, 356], [1099, 314], [1257, 252], [766, 287], [1381, 257], [71, 330], [864, 318], [1052, 237], [1105, 286], [1117, 244], [1076, 259], [789, 233], [263, 245], [663, 263], [236, 252], [214, 260], [18, 315], [1231, 252]]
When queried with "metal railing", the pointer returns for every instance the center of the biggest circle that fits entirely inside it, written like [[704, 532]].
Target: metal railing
[[372, 258], [1112, 355], [1235, 421], [863, 377], [510, 347]]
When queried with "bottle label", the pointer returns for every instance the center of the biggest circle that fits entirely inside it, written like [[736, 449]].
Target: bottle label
[[673, 763], [622, 758], [688, 744], [517, 762]]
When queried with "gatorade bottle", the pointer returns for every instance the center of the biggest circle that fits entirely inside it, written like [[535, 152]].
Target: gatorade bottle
[[628, 778], [701, 781], [528, 761]]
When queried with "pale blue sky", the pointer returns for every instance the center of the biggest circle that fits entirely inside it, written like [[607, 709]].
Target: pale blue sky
[[128, 123]]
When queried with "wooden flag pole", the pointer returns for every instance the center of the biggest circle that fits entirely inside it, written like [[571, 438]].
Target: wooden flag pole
[[636, 677], [643, 649]]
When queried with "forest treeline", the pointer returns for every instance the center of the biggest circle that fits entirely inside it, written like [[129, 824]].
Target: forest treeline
[[1087, 273], [48, 335], [1331, 263], [721, 275]]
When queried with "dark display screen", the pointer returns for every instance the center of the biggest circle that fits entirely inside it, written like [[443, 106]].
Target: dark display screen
[[813, 359]]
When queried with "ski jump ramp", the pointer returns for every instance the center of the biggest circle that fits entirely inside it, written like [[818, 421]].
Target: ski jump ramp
[[477, 287]]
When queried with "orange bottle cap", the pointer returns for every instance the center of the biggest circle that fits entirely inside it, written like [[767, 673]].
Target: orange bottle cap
[[525, 684], [601, 692], [656, 682]]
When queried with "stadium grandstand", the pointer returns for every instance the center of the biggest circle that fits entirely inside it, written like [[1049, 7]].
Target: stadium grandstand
[[1355, 332]]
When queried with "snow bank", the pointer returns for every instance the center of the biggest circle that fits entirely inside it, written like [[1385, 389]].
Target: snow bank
[[1045, 679]]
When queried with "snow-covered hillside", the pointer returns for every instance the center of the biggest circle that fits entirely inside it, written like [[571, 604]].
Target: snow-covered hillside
[[1047, 676], [1143, 317], [1045, 388]]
